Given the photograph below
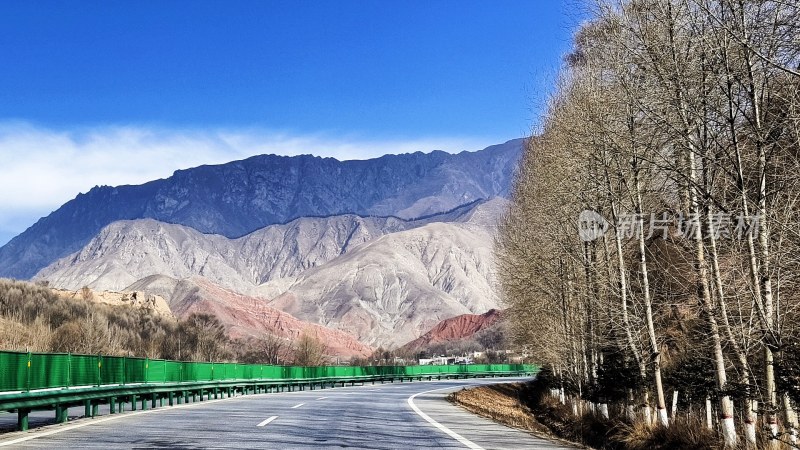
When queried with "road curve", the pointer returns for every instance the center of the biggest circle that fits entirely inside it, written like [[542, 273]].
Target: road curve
[[388, 416]]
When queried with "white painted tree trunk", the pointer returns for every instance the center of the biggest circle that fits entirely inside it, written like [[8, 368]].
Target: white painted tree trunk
[[750, 424], [728, 430], [771, 417], [674, 405], [630, 409], [663, 420], [630, 412], [604, 410], [750, 434], [750, 420], [709, 420], [773, 430], [791, 419]]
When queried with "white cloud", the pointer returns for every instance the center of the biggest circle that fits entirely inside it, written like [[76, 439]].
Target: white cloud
[[43, 168]]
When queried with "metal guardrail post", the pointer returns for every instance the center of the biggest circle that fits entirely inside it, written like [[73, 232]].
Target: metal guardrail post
[[69, 370], [22, 419], [61, 413]]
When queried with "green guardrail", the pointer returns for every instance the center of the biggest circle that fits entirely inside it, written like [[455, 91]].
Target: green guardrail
[[57, 381], [20, 371]]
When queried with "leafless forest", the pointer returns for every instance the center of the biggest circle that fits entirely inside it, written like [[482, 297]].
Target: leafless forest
[[678, 122], [33, 318]]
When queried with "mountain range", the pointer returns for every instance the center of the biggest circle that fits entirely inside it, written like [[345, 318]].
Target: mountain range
[[376, 251], [239, 197]]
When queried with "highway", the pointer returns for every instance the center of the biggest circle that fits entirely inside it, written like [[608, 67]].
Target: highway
[[388, 416]]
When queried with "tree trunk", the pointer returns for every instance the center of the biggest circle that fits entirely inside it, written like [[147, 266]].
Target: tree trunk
[[630, 409], [701, 266], [623, 280], [763, 277], [655, 354], [674, 405], [750, 424], [791, 419], [749, 416]]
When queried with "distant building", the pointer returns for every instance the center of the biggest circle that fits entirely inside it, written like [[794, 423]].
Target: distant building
[[445, 360]]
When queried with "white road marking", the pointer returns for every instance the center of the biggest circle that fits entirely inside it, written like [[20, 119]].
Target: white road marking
[[322, 398], [105, 419], [92, 421], [449, 432], [298, 405], [266, 421]]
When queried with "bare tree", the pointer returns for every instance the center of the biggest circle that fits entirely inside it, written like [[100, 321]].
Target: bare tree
[[309, 351], [687, 108]]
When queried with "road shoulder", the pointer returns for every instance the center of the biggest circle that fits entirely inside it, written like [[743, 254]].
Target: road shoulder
[[478, 432]]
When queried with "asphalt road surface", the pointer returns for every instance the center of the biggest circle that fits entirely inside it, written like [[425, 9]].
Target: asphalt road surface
[[388, 416]]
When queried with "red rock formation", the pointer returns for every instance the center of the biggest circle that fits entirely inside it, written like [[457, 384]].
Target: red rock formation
[[245, 316], [455, 328]]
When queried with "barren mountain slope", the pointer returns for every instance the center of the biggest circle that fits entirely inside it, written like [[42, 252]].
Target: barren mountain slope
[[344, 272], [390, 290], [245, 316], [127, 251]]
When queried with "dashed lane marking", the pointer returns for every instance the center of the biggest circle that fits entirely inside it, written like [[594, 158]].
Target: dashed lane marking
[[266, 421]]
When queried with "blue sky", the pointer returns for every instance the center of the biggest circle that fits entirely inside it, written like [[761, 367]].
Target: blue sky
[[116, 92]]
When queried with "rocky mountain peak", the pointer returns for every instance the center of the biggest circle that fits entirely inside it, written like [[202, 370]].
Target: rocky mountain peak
[[239, 197]]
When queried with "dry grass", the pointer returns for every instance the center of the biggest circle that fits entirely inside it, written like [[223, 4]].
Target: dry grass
[[682, 434], [522, 405]]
